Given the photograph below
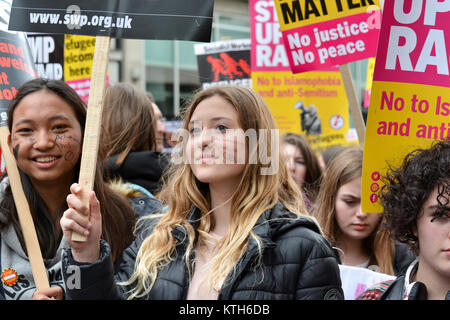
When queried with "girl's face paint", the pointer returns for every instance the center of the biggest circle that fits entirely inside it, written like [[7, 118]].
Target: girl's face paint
[[46, 138]]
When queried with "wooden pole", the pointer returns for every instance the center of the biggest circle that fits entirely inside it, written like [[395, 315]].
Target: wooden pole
[[93, 122], [23, 210], [353, 100]]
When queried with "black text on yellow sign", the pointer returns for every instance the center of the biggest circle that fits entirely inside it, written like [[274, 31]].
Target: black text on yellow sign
[[294, 11]]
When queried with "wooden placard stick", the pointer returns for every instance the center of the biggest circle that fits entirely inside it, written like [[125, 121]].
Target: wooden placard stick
[[23, 210], [93, 122], [353, 100]]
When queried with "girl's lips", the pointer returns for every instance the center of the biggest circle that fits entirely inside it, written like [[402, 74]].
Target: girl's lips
[[207, 159], [359, 227], [45, 162]]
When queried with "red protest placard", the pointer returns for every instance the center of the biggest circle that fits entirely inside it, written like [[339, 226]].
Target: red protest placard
[[320, 34]]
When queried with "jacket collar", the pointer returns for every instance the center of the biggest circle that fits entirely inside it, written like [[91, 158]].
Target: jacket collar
[[405, 289], [262, 227], [194, 219], [273, 221]]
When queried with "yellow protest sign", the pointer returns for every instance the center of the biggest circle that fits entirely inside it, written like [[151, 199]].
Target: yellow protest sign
[[78, 59], [313, 104], [409, 104], [299, 13], [369, 80]]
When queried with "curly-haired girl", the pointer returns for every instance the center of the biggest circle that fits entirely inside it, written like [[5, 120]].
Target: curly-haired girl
[[416, 202]]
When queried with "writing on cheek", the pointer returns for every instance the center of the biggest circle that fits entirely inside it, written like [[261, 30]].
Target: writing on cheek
[[63, 137], [16, 151], [67, 147], [70, 156]]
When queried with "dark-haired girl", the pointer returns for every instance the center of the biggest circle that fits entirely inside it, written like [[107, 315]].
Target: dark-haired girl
[[46, 121]]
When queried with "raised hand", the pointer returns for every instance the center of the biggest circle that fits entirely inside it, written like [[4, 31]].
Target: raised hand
[[85, 221]]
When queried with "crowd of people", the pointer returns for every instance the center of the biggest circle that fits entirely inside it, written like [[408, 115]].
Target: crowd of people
[[201, 229]]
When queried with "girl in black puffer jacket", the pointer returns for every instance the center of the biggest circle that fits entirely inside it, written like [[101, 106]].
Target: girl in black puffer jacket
[[235, 227]]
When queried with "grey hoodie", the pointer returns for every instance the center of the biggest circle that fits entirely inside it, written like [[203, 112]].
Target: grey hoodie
[[13, 256]]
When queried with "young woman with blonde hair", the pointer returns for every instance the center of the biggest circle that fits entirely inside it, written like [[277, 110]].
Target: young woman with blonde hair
[[359, 238], [232, 230]]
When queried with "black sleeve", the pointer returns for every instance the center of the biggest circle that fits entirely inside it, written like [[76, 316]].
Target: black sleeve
[[99, 280], [320, 276], [90, 281]]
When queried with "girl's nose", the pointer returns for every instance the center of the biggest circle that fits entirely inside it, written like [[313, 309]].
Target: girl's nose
[[43, 140], [360, 214]]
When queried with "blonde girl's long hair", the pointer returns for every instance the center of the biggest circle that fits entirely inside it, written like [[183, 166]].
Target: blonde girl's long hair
[[255, 194], [345, 167]]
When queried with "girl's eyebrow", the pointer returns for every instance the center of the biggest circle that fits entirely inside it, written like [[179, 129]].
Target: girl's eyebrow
[[350, 195], [23, 121], [437, 206], [220, 118], [58, 117], [214, 119], [55, 117]]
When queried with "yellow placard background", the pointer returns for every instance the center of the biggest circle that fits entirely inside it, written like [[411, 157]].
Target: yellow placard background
[[370, 70], [331, 8], [78, 56], [384, 144], [281, 90]]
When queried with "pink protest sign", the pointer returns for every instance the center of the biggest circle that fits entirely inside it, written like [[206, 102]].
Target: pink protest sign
[[318, 34], [415, 48], [267, 50], [410, 97]]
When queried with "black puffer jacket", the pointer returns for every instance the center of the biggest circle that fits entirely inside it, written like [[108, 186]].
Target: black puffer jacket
[[144, 168], [297, 263]]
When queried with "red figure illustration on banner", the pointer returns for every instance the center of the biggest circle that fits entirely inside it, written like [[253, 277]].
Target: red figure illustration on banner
[[227, 66], [217, 67], [231, 65]]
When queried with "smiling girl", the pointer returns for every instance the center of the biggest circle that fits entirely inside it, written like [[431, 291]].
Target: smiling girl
[[46, 120], [230, 231]]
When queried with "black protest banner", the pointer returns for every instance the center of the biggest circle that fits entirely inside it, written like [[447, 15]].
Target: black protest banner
[[224, 62], [48, 55], [16, 68], [134, 19]]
